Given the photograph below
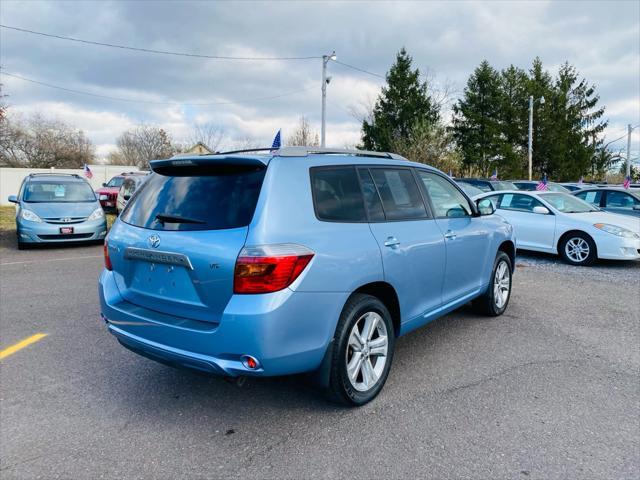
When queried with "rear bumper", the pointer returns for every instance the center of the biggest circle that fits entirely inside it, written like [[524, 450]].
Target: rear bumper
[[287, 332], [36, 232]]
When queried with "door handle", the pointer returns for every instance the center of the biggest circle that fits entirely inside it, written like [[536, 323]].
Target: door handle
[[450, 235], [391, 242]]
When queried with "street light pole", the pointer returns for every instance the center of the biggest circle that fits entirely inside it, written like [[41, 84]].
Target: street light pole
[[541, 100], [530, 137], [629, 150], [325, 82]]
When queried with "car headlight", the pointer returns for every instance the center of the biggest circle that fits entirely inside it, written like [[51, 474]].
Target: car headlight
[[29, 215], [96, 214], [618, 231]]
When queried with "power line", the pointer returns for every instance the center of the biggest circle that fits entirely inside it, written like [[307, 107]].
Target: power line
[[131, 100], [151, 50], [362, 70]]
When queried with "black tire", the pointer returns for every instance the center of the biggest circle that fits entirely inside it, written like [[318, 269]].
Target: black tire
[[576, 240], [23, 245], [341, 389], [489, 304]]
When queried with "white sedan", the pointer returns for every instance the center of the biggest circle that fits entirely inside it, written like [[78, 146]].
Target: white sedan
[[554, 222]]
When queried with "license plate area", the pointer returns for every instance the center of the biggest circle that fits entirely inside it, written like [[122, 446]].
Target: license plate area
[[66, 230]]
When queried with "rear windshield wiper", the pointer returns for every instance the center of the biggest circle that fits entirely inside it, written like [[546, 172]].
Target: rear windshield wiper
[[166, 218]]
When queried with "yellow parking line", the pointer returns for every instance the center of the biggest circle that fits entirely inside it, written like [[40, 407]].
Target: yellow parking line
[[22, 344]]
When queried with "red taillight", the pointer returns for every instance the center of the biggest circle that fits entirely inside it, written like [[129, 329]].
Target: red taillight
[[269, 268], [107, 260]]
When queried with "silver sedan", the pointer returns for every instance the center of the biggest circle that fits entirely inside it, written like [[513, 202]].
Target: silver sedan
[[560, 223]]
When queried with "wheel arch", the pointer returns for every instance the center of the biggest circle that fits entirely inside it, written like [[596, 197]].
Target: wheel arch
[[509, 248], [386, 294]]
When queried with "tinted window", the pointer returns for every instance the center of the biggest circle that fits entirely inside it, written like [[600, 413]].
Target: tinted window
[[621, 200], [503, 186], [56, 192], [115, 182], [447, 200], [401, 198], [484, 186], [525, 186], [337, 195], [521, 203], [205, 202], [371, 197], [590, 196]]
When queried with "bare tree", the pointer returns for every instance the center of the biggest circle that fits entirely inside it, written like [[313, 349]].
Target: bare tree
[[303, 135], [209, 134], [39, 142], [432, 145], [141, 144]]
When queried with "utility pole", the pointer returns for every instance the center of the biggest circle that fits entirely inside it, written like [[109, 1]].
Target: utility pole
[[325, 82], [530, 137], [541, 100], [629, 150]]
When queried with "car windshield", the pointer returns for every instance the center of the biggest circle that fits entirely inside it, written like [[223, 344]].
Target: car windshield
[[554, 187], [115, 182], [500, 185], [58, 192], [567, 203]]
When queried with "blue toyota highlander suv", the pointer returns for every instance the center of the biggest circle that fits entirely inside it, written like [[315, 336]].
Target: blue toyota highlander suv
[[297, 260]]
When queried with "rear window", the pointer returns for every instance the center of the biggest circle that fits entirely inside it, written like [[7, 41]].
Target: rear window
[[337, 195], [202, 202]]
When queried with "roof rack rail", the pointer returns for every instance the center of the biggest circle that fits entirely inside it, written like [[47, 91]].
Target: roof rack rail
[[54, 174], [304, 151]]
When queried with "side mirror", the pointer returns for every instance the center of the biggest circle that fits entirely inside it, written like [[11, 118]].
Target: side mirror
[[103, 198], [635, 207], [126, 197], [104, 184], [13, 199], [541, 210], [485, 206]]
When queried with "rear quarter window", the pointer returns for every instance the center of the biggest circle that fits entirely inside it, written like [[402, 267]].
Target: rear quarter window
[[202, 202], [337, 196]]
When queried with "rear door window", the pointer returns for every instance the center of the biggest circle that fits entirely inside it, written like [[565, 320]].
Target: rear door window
[[401, 198], [591, 196], [337, 196], [621, 200], [199, 202], [371, 197]]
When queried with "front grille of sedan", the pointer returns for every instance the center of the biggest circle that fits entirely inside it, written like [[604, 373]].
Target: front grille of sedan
[[64, 220]]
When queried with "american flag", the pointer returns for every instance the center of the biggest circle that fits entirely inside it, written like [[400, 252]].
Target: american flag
[[276, 142], [87, 171], [494, 176], [543, 183], [627, 182]]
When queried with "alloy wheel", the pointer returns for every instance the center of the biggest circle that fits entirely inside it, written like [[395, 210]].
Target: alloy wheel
[[577, 249], [367, 351], [501, 284]]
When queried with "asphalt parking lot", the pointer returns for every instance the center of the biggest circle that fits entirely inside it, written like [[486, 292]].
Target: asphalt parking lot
[[549, 390]]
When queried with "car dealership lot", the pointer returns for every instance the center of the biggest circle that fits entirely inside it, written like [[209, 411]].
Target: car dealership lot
[[550, 389]]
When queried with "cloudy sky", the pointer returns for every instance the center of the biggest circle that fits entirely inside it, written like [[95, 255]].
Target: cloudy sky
[[446, 39]]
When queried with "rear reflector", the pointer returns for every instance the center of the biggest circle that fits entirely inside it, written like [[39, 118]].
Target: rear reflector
[[269, 268], [107, 260]]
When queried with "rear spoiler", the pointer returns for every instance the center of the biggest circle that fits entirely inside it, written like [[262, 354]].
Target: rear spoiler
[[208, 165]]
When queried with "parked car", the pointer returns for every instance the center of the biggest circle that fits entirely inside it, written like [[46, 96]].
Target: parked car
[[108, 193], [574, 187], [57, 208], [612, 199], [530, 186], [300, 261], [555, 222], [469, 189], [129, 186], [487, 185]]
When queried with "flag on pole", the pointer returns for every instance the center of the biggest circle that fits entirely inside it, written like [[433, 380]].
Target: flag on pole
[[494, 175], [87, 171], [581, 181], [276, 142], [627, 182], [543, 183]]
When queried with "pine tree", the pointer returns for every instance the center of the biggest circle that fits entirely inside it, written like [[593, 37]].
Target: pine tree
[[476, 121], [513, 117], [403, 103]]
